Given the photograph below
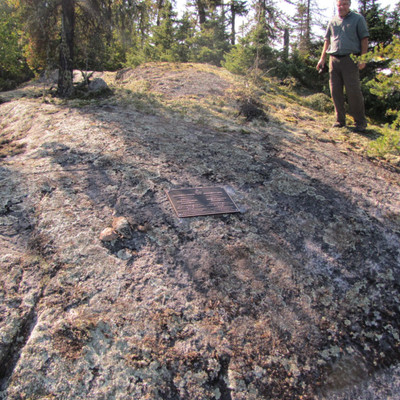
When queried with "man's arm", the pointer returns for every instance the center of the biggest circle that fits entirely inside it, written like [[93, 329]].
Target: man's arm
[[322, 60], [364, 50]]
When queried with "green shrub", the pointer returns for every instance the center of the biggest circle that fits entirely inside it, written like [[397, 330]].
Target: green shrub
[[385, 85], [239, 60], [319, 102], [387, 144]]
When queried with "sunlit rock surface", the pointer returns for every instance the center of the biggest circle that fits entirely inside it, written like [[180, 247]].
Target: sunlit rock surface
[[296, 297]]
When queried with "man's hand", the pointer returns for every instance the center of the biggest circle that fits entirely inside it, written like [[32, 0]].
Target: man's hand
[[321, 64], [364, 49]]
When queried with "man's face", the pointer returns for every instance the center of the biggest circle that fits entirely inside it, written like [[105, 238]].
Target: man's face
[[343, 7]]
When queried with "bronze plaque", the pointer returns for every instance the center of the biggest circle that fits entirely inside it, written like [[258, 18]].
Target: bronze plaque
[[201, 201]]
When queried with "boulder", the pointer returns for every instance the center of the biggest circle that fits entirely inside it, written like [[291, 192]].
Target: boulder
[[97, 85]]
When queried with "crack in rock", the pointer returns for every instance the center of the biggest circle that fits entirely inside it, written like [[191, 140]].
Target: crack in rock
[[13, 353]]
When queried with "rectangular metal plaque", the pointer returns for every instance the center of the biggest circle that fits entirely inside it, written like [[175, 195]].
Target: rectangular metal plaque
[[201, 201]]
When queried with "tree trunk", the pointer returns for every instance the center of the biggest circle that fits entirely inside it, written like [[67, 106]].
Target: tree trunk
[[233, 21], [160, 4], [308, 25], [201, 9], [65, 72], [286, 43]]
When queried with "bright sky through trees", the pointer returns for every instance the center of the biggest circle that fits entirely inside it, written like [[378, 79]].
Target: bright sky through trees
[[328, 9]]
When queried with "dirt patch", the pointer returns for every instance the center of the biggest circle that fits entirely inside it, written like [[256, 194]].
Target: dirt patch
[[181, 81]]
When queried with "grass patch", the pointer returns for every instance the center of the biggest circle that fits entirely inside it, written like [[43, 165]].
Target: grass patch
[[387, 145], [10, 148]]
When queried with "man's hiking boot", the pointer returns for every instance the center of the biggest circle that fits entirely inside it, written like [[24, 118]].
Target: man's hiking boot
[[338, 125], [359, 129]]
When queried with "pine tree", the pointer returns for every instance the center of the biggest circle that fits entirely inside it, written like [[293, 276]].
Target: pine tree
[[236, 8], [185, 34], [378, 21], [209, 44], [10, 51], [205, 9], [65, 86], [386, 84], [51, 25], [12, 65], [163, 37], [302, 22], [308, 17], [254, 53]]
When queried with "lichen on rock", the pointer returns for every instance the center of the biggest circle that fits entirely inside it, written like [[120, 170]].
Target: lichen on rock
[[105, 293]]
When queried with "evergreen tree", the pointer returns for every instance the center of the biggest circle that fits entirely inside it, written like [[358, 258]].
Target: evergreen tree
[[308, 17], [51, 26], [386, 83], [13, 67], [378, 21], [302, 22], [382, 27], [163, 37], [206, 9], [201, 6], [236, 8], [209, 44], [185, 34], [255, 52], [41, 24], [263, 33], [266, 21], [394, 20]]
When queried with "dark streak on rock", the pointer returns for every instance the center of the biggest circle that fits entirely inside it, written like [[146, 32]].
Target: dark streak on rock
[[13, 353]]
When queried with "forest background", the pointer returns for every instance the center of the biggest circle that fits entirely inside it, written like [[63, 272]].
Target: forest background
[[253, 38]]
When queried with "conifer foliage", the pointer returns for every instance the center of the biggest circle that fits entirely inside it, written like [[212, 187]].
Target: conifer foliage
[[13, 67]]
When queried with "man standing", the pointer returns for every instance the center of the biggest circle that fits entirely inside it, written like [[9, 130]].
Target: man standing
[[346, 34]]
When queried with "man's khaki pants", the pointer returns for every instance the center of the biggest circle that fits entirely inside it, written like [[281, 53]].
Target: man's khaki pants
[[344, 73]]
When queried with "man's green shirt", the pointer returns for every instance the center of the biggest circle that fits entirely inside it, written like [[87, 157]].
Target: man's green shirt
[[345, 34]]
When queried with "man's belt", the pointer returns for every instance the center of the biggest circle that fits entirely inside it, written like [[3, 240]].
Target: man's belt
[[344, 55]]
